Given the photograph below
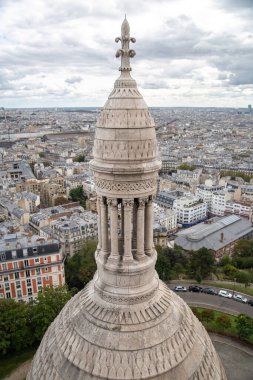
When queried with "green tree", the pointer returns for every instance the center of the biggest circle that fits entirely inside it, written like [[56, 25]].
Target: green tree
[[244, 248], [225, 260], [77, 195], [15, 331], [79, 158], [244, 325], [243, 277], [80, 268], [186, 167], [46, 308], [201, 263], [163, 264]]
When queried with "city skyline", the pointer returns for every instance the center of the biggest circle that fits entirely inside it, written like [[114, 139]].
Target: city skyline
[[188, 54]]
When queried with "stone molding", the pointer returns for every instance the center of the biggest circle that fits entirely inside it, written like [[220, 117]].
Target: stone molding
[[126, 187]]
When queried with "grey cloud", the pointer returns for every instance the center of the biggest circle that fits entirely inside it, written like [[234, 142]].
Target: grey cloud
[[154, 85], [74, 79]]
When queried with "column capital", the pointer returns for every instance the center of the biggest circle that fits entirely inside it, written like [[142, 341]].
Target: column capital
[[112, 202], [142, 202], [150, 199], [128, 203]]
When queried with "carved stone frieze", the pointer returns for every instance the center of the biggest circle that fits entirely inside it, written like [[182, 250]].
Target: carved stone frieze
[[126, 187], [125, 149]]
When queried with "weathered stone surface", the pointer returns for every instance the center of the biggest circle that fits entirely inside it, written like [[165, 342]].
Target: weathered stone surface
[[126, 324]]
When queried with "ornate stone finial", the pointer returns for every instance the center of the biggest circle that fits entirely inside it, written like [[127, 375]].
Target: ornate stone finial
[[125, 52]]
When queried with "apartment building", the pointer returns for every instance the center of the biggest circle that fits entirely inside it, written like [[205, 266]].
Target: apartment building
[[244, 209], [73, 231], [190, 210], [27, 264], [205, 192], [219, 201]]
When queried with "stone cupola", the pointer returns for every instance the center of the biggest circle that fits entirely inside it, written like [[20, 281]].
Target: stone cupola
[[126, 324], [125, 168]]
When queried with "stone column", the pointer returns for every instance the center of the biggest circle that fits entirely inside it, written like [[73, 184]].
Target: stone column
[[149, 226], [122, 219], [128, 206], [140, 228], [104, 225], [113, 204], [135, 225], [99, 222]]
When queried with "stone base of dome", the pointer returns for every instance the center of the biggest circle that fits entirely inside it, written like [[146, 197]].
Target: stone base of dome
[[99, 338]]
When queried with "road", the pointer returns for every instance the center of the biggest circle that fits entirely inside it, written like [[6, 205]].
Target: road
[[215, 302]]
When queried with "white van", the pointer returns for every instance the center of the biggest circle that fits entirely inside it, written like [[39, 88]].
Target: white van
[[225, 293]]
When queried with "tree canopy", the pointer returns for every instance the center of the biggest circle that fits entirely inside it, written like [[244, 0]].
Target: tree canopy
[[201, 263], [80, 268], [22, 325], [77, 195]]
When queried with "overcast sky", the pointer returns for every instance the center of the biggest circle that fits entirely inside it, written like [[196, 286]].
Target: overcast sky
[[188, 52]]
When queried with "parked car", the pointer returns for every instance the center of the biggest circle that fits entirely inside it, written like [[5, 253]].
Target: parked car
[[194, 288], [180, 288], [209, 291], [225, 293], [250, 302], [240, 298]]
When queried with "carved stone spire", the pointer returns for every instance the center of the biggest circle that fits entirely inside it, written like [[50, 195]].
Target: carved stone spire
[[125, 53]]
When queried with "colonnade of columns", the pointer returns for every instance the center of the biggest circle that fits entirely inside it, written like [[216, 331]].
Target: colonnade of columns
[[125, 227]]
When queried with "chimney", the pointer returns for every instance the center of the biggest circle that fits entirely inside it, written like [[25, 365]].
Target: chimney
[[221, 236]]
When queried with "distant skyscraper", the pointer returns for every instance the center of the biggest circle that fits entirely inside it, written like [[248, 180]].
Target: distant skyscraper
[[126, 324], [250, 108]]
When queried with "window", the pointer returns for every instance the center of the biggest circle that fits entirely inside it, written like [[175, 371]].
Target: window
[[37, 260], [15, 265], [37, 271], [3, 257], [28, 282], [8, 295], [25, 252], [29, 291], [27, 272], [45, 259], [16, 275], [26, 263], [46, 278], [39, 280], [46, 269], [14, 254], [19, 294], [6, 278], [7, 286], [35, 250], [4, 266], [18, 286], [39, 288]]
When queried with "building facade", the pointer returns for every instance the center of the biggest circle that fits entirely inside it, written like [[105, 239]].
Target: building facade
[[27, 265], [190, 211]]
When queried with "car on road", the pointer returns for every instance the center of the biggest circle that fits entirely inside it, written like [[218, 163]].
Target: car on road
[[225, 293], [194, 288], [180, 288], [209, 291], [240, 298], [250, 302]]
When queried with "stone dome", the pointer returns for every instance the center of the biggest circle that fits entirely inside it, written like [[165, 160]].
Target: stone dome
[[126, 323]]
